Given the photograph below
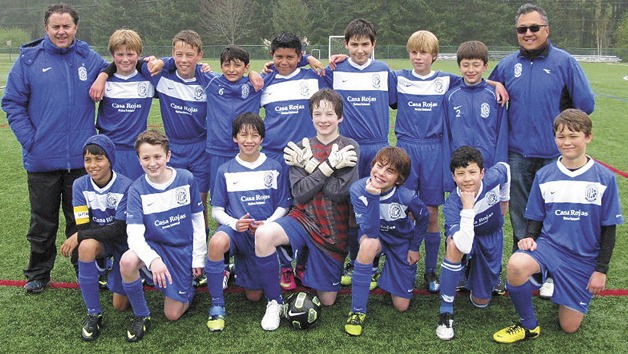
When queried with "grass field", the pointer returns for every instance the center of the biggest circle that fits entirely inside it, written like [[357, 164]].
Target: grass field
[[50, 322]]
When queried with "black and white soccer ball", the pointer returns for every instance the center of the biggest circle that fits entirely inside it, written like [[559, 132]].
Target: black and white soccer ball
[[302, 310]]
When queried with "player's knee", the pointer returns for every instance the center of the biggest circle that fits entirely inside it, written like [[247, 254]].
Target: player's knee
[[452, 253], [570, 326], [254, 295], [87, 250], [369, 248], [129, 263], [218, 245], [516, 270], [401, 306], [172, 314]]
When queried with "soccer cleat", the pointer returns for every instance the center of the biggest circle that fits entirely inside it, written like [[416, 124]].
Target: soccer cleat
[[200, 281], [431, 280], [272, 317], [547, 289], [91, 327], [286, 279], [35, 286], [374, 279], [216, 320], [139, 327], [347, 275], [102, 281], [462, 282], [445, 328], [499, 289], [226, 274], [516, 333], [354, 324], [101, 265]]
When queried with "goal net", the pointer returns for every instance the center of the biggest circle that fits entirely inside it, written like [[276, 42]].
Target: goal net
[[337, 46]]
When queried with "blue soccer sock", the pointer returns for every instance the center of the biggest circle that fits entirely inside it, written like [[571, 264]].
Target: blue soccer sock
[[88, 282], [521, 297], [432, 246], [354, 245], [449, 276], [135, 292], [360, 286], [268, 268], [215, 272]]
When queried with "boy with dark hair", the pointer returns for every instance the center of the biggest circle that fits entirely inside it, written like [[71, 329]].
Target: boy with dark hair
[[573, 211], [99, 200], [123, 111], [473, 115], [474, 227], [320, 180], [364, 85], [392, 221], [165, 231], [250, 190]]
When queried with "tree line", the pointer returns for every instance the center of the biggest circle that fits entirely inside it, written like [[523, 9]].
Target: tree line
[[574, 23]]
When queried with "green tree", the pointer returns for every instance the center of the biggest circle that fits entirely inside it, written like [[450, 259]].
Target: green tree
[[226, 20]]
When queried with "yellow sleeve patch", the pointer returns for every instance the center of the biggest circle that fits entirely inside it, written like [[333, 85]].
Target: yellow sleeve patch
[[81, 214]]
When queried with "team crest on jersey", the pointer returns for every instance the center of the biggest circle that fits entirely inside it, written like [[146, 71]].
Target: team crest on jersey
[[199, 94], [142, 89], [268, 179], [485, 110], [591, 192], [245, 91], [491, 198], [439, 87], [395, 211], [112, 201], [305, 90], [82, 73], [518, 69], [182, 196], [376, 80]]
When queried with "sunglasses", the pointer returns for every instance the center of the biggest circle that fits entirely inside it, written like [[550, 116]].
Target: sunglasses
[[533, 28]]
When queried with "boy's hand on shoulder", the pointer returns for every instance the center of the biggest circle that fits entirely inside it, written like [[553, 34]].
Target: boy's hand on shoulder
[[154, 65], [256, 80], [527, 244], [161, 275], [69, 245], [597, 283], [268, 67], [335, 59], [501, 93], [97, 90], [316, 65], [205, 68]]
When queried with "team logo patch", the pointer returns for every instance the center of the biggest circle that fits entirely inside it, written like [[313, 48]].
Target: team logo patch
[[518, 69], [485, 110], [591, 192], [305, 89], [268, 180], [245, 91], [376, 80], [491, 198], [82, 73], [199, 94], [142, 89], [112, 201], [395, 211], [439, 87], [182, 196]]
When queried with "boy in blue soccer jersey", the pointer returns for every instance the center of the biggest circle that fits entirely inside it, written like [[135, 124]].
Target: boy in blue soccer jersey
[[250, 190], [420, 130], [166, 234], [472, 113], [573, 211], [128, 95], [392, 221], [364, 85], [320, 177], [99, 200], [474, 227]]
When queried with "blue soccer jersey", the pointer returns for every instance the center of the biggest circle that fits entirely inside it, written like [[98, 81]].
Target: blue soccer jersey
[[100, 206], [257, 188], [123, 111], [367, 94], [420, 110], [488, 219], [183, 106], [574, 205], [475, 118], [286, 103]]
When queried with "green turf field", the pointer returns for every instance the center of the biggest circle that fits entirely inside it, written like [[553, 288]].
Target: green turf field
[[51, 322]]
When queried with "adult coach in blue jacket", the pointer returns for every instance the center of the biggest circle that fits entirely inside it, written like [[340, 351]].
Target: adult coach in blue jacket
[[49, 109], [542, 81]]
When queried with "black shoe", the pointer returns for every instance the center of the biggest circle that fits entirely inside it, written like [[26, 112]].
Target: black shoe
[[432, 283], [35, 286], [139, 327], [91, 327]]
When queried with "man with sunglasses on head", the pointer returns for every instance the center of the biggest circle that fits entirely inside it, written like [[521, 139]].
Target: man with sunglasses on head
[[542, 81]]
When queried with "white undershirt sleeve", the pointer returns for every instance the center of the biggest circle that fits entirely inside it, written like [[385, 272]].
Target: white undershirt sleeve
[[279, 212], [137, 243], [221, 217], [463, 238], [199, 248]]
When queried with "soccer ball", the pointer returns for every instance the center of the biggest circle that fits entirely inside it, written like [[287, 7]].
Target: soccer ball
[[302, 310]]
